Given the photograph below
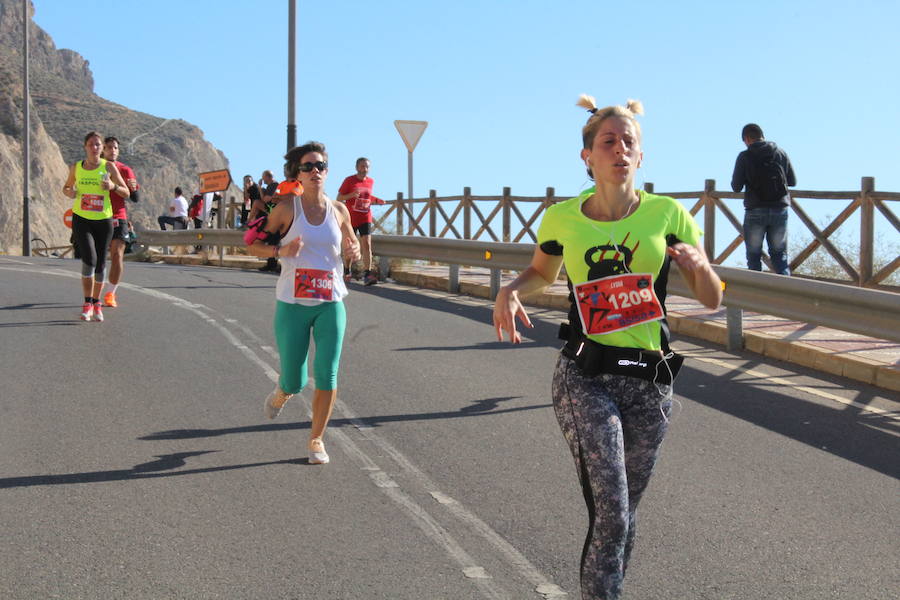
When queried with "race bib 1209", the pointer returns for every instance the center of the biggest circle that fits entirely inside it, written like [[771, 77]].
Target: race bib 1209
[[92, 202], [617, 302], [313, 283]]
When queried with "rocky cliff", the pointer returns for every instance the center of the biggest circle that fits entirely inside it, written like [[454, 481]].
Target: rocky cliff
[[163, 153]]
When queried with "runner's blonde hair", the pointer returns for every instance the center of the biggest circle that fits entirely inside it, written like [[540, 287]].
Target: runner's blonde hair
[[630, 111]]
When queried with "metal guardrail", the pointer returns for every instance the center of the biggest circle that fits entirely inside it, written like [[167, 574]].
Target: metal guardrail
[[873, 313]]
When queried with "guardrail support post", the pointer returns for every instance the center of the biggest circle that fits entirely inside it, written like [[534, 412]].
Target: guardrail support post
[[866, 232], [709, 218], [495, 283], [399, 213], [734, 320], [507, 214], [384, 267], [453, 280], [467, 213], [432, 213]]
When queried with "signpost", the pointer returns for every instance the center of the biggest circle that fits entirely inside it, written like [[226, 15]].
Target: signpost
[[410, 132], [216, 181]]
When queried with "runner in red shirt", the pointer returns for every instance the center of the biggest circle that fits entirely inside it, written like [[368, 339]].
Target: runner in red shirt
[[120, 221], [356, 193]]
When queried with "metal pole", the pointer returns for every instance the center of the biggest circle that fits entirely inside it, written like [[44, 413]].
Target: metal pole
[[409, 168], [292, 124], [409, 198], [26, 145]]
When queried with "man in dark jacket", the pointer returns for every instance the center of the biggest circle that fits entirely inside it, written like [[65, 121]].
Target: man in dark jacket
[[765, 170]]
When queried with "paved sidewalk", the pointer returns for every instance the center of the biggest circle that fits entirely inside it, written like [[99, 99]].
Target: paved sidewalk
[[857, 357]]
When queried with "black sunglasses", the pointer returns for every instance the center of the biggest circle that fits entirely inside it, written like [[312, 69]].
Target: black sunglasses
[[309, 166]]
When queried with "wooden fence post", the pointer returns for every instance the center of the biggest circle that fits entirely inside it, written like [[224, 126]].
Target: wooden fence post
[[709, 218], [866, 232], [399, 213], [467, 213], [432, 213], [648, 187], [506, 214]]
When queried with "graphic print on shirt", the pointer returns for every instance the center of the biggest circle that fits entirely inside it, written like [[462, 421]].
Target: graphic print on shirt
[[614, 298]]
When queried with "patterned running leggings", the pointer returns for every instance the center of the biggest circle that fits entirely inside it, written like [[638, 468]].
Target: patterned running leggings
[[614, 426]]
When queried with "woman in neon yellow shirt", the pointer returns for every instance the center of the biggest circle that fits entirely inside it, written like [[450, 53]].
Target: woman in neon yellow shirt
[[89, 184], [612, 389]]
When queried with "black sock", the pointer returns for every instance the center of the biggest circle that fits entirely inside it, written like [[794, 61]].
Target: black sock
[[87, 300], [95, 300]]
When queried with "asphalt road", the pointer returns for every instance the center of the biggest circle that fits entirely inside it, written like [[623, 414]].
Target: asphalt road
[[137, 462]]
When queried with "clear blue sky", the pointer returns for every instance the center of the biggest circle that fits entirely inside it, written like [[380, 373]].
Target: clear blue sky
[[497, 81]]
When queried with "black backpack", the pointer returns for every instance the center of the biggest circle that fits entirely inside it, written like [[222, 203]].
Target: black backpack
[[767, 178]]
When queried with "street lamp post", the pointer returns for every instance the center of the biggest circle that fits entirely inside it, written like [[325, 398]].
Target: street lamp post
[[26, 142], [292, 125]]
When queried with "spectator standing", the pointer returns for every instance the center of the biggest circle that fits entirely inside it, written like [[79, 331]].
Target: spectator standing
[[264, 206], [121, 230], [356, 193], [178, 212], [765, 171], [251, 195]]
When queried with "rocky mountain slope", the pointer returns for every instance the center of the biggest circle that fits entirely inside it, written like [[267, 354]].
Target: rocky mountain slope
[[163, 153]]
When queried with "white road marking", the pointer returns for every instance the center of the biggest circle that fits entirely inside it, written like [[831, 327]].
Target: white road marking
[[432, 529]]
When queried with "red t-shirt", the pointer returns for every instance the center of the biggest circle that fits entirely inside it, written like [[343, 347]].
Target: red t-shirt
[[118, 202], [360, 211]]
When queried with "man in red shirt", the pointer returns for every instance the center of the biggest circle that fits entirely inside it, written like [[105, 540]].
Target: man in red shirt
[[120, 221], [356, 193]]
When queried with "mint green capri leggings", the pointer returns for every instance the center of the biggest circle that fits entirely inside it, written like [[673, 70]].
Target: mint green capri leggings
[[293, 323]]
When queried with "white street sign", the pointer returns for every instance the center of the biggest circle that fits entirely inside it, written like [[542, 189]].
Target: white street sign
[[411, 132]]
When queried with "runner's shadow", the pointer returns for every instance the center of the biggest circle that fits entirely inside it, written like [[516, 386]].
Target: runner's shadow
[[162, 467], [486, 406], [33, 305], [479, 346], [38, 323]]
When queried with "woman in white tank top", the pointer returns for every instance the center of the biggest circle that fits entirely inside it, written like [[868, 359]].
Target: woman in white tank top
[[310, 290]]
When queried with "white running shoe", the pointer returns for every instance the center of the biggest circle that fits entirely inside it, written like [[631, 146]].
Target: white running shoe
[[275, 401], [98, 313], [317, 454]]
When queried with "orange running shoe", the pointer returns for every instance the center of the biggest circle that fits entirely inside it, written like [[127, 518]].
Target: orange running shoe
[[109, 299]]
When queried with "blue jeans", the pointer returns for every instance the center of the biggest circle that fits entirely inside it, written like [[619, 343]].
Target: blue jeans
[[771, 224]]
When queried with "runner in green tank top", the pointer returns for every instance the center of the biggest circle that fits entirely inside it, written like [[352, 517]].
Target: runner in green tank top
[[89, 183], [612, 384]]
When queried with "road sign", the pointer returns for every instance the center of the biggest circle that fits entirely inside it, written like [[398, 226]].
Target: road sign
[[411, 132], [67, 218], [214, 181]]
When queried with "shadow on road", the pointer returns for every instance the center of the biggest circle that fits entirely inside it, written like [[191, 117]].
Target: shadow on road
[[488, 406], [163, 467], [845, 431], [542, 334]]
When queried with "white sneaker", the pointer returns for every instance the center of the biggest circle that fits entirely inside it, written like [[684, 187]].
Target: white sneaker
[[275, 401], [317, 454]]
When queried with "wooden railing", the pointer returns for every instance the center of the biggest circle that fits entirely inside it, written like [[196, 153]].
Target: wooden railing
[[471, 217]]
